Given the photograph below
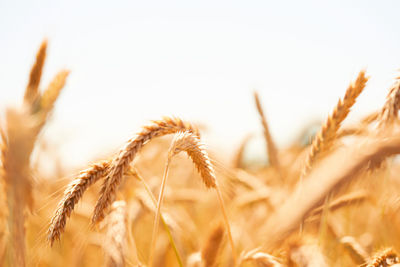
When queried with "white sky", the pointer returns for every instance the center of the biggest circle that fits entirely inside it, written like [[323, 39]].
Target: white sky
[[132, 61]]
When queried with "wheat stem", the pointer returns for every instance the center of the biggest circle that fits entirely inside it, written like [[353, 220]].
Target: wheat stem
[[171, 239], [228, 227], [157, 216]]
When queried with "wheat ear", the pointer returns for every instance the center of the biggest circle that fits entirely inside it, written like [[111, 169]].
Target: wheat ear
[[325, 137], [324, 179], [52, 92], [209, 252], [190, 143], [31, 91], [385, 257], [370, 118], [271, 147], [260, 258], [72, 195], [389, 111], [183, 141], [388, 114], [238, 156], [121, 163], [116, 237], [346, 200]]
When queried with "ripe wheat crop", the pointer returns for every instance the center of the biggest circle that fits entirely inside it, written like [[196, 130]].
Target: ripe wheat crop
[[165, 199]]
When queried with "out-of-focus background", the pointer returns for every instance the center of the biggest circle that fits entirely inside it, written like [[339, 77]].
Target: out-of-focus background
[[132, 61]]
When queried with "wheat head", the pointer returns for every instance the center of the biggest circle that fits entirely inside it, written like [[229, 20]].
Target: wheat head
[[31, 92], [325, 137], [210, 250], [121, 162], [72, 195]]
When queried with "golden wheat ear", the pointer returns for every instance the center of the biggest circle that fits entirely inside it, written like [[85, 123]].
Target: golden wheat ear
[[210, 250], [390, 110], [271, 146], [388, 115], [183, 141], [72, 195], [340, 167], [190, 143], [385, 257], [121, 162], [325, 137], [50, 95], [31, 91], [260, 258], [237, 161]]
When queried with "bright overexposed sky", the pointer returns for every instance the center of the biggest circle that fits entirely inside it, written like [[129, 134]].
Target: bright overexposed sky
[[132, 61]]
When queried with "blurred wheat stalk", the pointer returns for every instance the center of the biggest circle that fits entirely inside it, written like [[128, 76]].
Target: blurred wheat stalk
[[19, 134]]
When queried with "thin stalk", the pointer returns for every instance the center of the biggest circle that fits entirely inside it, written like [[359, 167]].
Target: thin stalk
[[157, 218], [166, 228], [222, 205]]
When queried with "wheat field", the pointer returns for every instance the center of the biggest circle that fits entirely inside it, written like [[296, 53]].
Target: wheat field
[[164, 200]]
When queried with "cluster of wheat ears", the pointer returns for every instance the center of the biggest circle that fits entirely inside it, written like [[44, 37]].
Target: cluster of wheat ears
[[331, 202]]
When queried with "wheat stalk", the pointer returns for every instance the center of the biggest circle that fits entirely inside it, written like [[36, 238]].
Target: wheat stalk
[[121, 163], [325, 137], [135, 173], [72, 195], [18, 139]]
